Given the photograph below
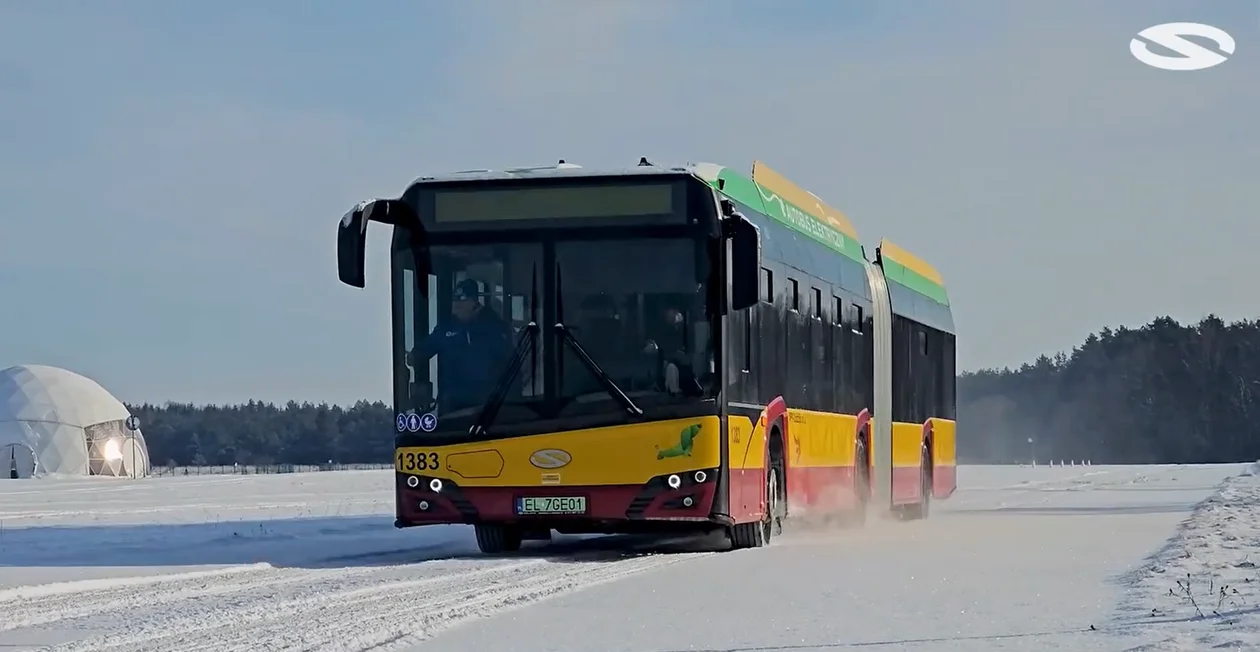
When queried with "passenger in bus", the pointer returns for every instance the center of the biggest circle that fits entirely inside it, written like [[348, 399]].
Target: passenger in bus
[[473, 348], [667, 343], [668, 335]]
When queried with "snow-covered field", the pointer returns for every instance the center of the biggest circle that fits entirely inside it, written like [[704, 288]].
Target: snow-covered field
[[1080, 558]]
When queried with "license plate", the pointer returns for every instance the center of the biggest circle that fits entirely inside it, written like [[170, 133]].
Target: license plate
[[528, 505]]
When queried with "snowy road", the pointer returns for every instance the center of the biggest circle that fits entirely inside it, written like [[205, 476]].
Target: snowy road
[[1019, 559]]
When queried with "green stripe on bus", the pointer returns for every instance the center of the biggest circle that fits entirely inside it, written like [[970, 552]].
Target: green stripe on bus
[[746, 191], [906, 277]]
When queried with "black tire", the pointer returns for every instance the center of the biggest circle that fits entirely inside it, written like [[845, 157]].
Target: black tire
[[758, 534], [497, 539], [925, 483], [923, 508], [861, 485], [746, 535], [776, 506]]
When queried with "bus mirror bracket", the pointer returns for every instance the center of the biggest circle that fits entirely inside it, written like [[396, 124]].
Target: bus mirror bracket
[[745, 261], [352, 234]]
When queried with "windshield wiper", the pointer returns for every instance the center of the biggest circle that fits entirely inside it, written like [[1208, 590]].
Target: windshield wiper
[[528, 344], [604, 379], [609, 384], [499, 396]]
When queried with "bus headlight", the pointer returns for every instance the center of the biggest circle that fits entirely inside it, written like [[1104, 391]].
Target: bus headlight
[[413, 481], [700, 477], [435, 485], [673, 481]]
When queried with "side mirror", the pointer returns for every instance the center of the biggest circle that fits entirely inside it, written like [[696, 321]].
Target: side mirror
[[352, 235], [745, 262], [351, 243]]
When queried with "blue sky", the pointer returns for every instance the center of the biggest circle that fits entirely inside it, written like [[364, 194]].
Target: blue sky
[[171, 173]]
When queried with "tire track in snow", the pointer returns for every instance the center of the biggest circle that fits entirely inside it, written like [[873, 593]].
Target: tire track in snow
[[77, 587], [244, 512], [385, 634], [75, 600], [327, 609]]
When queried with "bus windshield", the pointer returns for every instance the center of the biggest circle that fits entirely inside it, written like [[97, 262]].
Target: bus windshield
[[629, 310]]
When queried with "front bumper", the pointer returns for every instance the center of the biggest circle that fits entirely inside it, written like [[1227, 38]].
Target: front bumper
[[424, 500]]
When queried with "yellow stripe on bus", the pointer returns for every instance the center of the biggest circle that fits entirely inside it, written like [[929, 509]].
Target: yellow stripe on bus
[[910, 261], [619, 455], [804, 200]]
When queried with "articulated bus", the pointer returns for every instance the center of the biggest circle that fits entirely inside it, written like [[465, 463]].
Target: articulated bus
[[654, 349]]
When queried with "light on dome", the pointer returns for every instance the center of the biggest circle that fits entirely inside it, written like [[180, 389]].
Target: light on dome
[[112, 450]]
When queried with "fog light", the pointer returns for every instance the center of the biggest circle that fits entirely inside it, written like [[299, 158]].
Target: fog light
[[435, 485], [700, 477], [424, 505], [688, 502], [413, 481], [673, 481]]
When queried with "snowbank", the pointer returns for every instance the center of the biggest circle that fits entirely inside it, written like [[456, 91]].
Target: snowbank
[[1202, 590]]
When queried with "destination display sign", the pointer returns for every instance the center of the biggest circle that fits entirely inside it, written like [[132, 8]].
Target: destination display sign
[[472, 204]]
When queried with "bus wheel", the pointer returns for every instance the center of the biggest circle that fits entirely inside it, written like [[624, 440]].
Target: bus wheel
[[495, 539], [925, 483], [775, 504], [921, 509], [758, 534], [861, 486]]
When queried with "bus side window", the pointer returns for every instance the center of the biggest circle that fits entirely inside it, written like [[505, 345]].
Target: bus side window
[[767, 285], [857, 324]]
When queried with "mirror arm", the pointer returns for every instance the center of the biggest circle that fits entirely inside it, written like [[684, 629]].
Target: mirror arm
[[730, 225]]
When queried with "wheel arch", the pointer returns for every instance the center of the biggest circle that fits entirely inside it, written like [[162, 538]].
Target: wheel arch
[[776, 427], [863, 431]]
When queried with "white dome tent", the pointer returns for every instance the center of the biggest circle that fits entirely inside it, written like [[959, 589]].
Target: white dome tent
[[56, 422]]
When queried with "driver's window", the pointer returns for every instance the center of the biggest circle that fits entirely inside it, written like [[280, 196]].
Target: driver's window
[[434, 315], [419, 318], [503, 277], [409, 310], [519, 315]]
